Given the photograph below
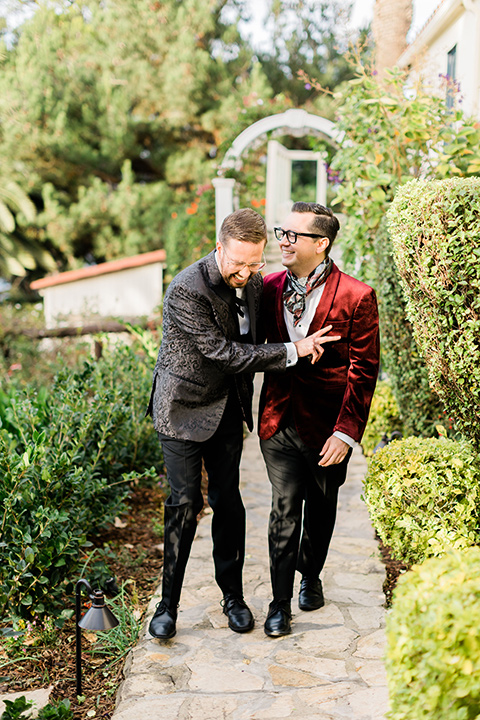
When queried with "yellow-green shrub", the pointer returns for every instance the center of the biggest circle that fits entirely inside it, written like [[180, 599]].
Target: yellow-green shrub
[[433, 652], [435, 229], [384, 417], [423, 495]]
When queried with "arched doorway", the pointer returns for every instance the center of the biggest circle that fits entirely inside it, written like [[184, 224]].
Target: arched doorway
[[294, 122]]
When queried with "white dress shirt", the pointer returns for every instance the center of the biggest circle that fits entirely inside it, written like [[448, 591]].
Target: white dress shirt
[[244, 323], [297, 332]]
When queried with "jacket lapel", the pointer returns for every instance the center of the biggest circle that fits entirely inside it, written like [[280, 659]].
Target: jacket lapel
[[252, 312], [326, 301], [226, 308], [280, 318]]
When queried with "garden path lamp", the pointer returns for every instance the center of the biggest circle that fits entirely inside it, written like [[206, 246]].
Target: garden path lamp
[[97, 617]]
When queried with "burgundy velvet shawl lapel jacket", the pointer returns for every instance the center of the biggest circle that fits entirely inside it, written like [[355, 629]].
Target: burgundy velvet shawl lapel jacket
[[335, 393], [200, 357]]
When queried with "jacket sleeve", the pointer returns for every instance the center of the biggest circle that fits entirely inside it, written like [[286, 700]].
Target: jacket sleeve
[[194, 315], [363, 368]]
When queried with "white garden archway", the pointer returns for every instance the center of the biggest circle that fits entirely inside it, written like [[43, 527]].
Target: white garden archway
[[294, 122]]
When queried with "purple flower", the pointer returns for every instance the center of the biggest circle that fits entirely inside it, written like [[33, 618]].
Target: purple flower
[[308, 86]]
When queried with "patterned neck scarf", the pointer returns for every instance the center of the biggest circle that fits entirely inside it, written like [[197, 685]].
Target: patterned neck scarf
[[298, 288]]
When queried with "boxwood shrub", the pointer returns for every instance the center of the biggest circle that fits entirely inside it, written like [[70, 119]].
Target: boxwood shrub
[[435, 228], [423, 495], [384, 417], [433, 651]]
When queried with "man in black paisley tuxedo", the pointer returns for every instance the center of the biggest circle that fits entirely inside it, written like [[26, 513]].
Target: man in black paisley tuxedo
[[201, 394]]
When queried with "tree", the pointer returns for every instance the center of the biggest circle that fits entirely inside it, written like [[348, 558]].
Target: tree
[[309, 38], [87, 87], [19, 250]]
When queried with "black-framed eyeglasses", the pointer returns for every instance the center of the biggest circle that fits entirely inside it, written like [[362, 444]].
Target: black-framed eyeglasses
[[291, 235], [239, 265]]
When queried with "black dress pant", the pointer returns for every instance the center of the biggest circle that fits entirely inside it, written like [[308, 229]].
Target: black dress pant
[[183, 461], [299, 484]]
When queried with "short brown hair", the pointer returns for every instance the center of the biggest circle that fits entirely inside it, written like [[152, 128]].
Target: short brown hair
[[244, 224], [324, 223]]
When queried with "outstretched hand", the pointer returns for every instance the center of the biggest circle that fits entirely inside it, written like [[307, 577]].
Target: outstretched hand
[[312, 344]]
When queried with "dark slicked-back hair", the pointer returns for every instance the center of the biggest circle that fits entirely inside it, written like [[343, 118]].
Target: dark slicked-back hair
[[324, 223], [244, 224]]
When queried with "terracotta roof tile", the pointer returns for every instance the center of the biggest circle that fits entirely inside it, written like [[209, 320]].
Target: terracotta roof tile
[[102, 269]]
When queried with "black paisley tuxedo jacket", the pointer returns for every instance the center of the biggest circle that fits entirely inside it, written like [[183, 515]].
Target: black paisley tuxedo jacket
[[201, 355]]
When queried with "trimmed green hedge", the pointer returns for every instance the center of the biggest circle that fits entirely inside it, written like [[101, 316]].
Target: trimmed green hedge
[[420, 408], [423, 495], [435, 228], [433, 637], [384, 417]]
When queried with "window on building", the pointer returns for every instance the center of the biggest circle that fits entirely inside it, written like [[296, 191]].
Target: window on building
[[451, 74]]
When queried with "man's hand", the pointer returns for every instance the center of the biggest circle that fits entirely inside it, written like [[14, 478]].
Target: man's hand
[[333, 452], [312, 345]]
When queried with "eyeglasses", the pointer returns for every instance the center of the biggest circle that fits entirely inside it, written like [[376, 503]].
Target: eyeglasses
[[291, 235], [238, 265]]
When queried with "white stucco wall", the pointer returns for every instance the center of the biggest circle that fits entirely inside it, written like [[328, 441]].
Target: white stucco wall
[[462, 35], [455, 24], [134, 292]]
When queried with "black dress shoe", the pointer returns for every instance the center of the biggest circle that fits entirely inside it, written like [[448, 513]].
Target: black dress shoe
[[240, 619], [162, 624], [311, 594], [278, 619]]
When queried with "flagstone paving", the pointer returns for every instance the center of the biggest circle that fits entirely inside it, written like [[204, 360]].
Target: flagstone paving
[[331, 666]]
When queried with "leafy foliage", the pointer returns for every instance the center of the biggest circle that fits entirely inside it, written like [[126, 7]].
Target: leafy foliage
[[65, 457], [433, 640], [27, 361], [191, 232], [19, 250], [113, 145], [59, 710], [16, 709], [423, 497], [420, 408], [384, 417], [391, 137], [110, 131], [307, 41], [104, 222], [435, 228], [20, 709]]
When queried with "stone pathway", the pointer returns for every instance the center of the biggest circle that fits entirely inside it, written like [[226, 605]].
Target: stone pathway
[[329, 668]]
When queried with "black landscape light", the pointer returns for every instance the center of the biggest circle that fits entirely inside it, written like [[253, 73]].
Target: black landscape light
[[97, 617]]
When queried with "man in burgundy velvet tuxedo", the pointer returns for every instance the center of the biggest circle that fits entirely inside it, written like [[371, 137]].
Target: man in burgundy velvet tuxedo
[[312, 416]]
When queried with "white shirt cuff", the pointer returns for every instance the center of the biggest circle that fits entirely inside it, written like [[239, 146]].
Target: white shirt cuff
[[346, 438], [292, 355]]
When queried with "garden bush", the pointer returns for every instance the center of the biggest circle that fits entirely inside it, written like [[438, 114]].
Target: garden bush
[[433, 651], [390, 138], [66, 456], [423, 495], [420, 408], [384, 417], [435, 228]]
